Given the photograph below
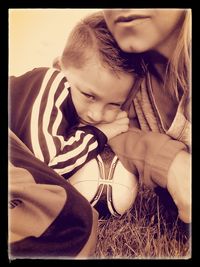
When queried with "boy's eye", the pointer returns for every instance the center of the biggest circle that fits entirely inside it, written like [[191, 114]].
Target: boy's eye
[[116, 105], [88, 96]]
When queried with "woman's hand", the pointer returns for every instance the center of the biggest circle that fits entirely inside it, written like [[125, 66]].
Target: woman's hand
[[179, 184]]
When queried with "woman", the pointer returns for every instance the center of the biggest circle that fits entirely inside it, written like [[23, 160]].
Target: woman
[[162, 101]]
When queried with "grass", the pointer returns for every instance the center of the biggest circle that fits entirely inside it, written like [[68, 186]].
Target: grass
[[148, 231], [151, 230]]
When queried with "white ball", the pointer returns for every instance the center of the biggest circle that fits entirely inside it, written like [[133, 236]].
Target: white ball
[[119, 185]]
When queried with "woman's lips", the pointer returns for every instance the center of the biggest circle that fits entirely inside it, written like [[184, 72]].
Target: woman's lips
[[122, 19]]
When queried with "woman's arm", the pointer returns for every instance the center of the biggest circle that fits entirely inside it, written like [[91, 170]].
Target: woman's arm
[[157, 160], [147, 154]]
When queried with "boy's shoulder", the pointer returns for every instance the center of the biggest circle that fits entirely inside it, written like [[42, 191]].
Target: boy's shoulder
[[38, 72], [35, 76]]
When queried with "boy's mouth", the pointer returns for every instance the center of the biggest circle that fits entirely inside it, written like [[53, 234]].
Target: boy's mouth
[[82, 121]]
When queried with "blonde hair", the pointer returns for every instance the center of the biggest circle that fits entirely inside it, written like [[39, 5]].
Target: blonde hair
[[178, 73]]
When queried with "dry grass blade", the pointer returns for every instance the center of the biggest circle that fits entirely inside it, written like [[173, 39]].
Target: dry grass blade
[[147, 231]]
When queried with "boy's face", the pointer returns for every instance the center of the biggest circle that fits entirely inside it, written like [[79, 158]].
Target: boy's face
[[97, 93]]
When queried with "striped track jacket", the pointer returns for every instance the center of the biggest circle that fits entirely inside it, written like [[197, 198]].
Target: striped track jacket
[[43, 116]]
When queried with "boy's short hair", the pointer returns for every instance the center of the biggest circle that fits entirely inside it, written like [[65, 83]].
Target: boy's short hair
[[90, 38]]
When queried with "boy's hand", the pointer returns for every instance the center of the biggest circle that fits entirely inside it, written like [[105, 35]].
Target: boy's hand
[[116, 127]]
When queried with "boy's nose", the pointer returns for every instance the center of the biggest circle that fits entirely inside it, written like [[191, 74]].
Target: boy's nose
[[95, 116]]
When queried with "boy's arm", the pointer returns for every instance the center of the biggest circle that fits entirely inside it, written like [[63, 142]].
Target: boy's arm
[[85, 143], [81, 145]]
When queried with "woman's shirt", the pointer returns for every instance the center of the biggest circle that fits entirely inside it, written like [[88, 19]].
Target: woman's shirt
[[158, 112]]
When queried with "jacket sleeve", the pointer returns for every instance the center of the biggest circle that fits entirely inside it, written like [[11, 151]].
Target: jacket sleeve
[[54, 137], [78, 147], [147, 154]]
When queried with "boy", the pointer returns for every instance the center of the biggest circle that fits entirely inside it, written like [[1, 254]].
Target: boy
[[65, 118]]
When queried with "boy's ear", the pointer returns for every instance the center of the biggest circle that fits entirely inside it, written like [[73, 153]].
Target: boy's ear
[[56, 63]]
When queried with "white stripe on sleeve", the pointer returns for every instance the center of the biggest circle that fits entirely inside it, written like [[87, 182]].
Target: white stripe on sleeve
[[78, 162], [47, 116], [73, 153], [35, 117], [71, 140], [59, 117]]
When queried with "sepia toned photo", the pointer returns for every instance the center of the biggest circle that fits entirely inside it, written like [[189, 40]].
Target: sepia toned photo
[[99, 139]]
